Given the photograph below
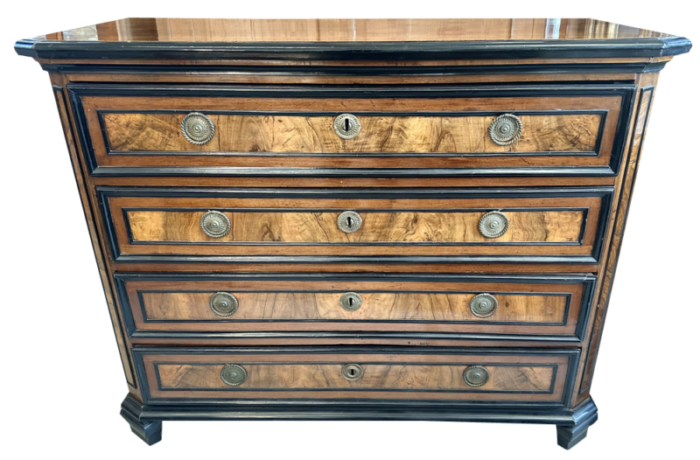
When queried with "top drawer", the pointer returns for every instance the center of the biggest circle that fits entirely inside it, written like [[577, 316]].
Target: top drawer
[[352, 131]]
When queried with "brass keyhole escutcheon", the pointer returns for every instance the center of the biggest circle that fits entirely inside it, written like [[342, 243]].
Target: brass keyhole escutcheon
[[349, 221], [351, 301], [347, 126], [352, 372]]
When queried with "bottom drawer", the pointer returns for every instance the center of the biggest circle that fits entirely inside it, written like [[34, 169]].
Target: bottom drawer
[[181, 375]]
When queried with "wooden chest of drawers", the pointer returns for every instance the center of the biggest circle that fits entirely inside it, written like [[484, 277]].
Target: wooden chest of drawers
[[356, 219]]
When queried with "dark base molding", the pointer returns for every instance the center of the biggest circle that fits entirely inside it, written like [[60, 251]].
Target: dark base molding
[[149, 431], [568, 436], [572, 424]]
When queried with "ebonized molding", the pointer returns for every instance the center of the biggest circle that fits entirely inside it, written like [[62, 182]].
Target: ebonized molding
[[355, 71], [358, 51]]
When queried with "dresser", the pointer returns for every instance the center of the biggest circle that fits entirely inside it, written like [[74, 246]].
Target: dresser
[[356, 219]]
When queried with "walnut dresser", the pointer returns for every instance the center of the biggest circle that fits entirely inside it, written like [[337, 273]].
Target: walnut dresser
[[356, 219]]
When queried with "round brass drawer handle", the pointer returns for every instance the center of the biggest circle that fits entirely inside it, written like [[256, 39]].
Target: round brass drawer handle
[[353, 372], [347, 126], [215, 224], [483, 305], [476, 376], [233, 375], [351, 301], [223, 304], [494, 224], [197, 128], [349, 221], [506, 129]]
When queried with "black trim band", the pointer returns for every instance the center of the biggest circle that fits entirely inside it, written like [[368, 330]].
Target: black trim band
[[357, 51], [355, 71]]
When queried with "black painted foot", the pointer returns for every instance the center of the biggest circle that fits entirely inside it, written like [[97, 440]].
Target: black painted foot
[[150, 432], [584, 416]]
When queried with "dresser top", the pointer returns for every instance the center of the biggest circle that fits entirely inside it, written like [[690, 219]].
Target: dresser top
[[352, 39]]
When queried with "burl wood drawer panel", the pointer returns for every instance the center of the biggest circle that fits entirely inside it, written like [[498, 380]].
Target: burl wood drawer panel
[[517, 307], [180, 375], [365, 225], [265, 130]]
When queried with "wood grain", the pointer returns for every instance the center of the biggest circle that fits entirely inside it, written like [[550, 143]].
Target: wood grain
[[526, 377], [375, 306], [647, 84], [100, 259], [525, 307], [170, 30], [438, 232], [376, 376], [258, 134], [306, 141], [377, 227]]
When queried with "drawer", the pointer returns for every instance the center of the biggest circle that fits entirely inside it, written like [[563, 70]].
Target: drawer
[[367, 226], [414, 131], [181, 375], [217, 306]]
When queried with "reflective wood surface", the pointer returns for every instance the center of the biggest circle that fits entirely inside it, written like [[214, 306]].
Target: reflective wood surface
[[349, 30]]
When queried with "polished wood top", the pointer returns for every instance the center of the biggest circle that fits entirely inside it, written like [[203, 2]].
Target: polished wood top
[[348, 30], [350, 38]]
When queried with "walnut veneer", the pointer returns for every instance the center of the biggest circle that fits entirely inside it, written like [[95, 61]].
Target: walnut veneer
[[356, 219]]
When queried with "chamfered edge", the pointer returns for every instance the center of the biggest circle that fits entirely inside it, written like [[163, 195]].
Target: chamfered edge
[[349, 51]]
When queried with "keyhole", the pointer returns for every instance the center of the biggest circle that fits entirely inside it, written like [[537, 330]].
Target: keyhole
[[349, 222], [351, 301], [352, 372], [347, 125]]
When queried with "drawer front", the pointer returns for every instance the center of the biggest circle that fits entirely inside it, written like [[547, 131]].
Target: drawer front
[[180, 375], [166, 130], [509, 307], [317, 226]]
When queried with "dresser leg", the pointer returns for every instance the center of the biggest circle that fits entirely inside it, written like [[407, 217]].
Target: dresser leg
[[150, 432], [585, 415]]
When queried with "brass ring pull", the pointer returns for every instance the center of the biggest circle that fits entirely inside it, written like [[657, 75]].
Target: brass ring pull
[[476, 376], [483, 305], [223, 304], [506, 129], [197, 128], [494, 224], [215, 224], [233, 375]]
